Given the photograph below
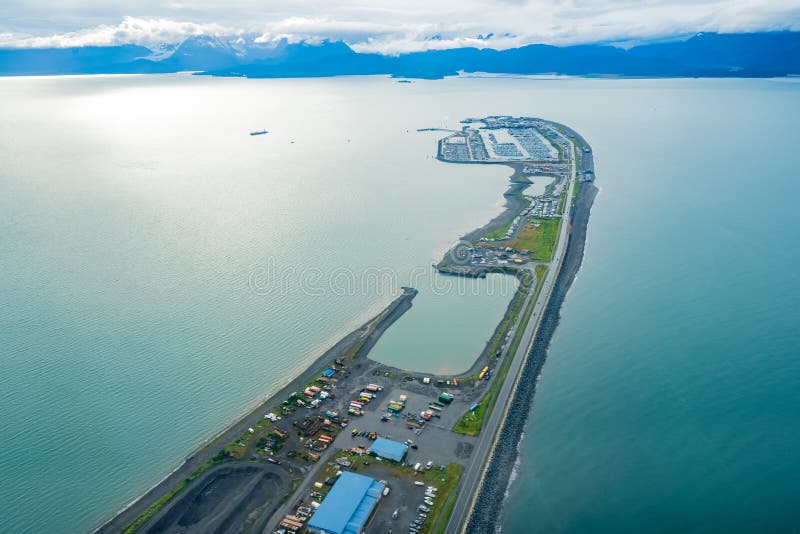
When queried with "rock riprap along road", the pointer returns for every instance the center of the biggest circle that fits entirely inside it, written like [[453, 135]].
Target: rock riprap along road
[[523, 141]]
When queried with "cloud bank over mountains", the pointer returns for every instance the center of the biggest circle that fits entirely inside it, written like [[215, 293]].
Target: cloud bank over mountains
[[144, 32], [382, 26]]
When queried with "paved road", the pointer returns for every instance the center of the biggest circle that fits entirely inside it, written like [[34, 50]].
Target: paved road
[[474, 471]]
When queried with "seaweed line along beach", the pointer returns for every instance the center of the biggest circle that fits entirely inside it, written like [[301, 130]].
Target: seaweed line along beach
[[265, 471]]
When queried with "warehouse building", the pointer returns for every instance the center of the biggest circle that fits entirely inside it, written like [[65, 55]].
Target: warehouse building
[[391, 450], [348, 506]]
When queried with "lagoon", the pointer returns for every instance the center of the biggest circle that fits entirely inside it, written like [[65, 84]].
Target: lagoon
[[440, 335]]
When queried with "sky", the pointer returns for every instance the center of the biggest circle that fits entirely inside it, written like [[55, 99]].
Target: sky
[[384, 26]]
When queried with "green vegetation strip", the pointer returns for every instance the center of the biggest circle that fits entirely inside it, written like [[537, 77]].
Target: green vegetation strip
[[472, 422], [500, 232], [232, 451], [540, 239], [511, 317], [151, 510], [445, 483], [447, 512]]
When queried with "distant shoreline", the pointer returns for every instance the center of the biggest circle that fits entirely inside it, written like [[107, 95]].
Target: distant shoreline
[[762, 54]]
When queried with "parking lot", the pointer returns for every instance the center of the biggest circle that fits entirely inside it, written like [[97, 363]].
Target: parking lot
[[434, 441], [493, 256], [400, 508], [417, 493]]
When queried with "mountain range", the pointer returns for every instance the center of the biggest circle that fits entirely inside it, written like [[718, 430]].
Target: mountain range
[[703, 55]]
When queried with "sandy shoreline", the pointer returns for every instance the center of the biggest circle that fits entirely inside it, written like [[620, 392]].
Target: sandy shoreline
[[372, 329], [383, 320], [358, 343]]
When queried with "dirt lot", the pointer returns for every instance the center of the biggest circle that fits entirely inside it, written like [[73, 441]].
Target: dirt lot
[[233, 497], [356, 345]]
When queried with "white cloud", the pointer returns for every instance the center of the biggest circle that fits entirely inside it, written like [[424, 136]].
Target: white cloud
[[132, 30], [382, 26], [312, 28]]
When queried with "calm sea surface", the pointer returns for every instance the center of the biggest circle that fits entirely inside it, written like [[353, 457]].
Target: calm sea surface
[[162, 271]]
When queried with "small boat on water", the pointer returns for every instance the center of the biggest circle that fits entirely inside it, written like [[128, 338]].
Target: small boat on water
[[259, 132]]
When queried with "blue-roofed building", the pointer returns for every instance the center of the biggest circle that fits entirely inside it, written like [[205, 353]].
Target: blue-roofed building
[[348, 506], [391, 450]]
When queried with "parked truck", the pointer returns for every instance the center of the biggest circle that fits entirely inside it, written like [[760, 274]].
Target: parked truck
[[483, 373]]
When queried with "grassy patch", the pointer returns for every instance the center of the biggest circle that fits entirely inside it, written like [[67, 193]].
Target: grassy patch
[[508, 320], [270, 443], [472, 422], [152, 509], [445, 481], [238, 448], [446, 513], [538, 240], [350, 354], [499, 233], [560, 150]]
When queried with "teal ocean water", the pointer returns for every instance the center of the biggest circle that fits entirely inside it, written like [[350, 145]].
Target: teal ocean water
[[669, 401], [162, 271]]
